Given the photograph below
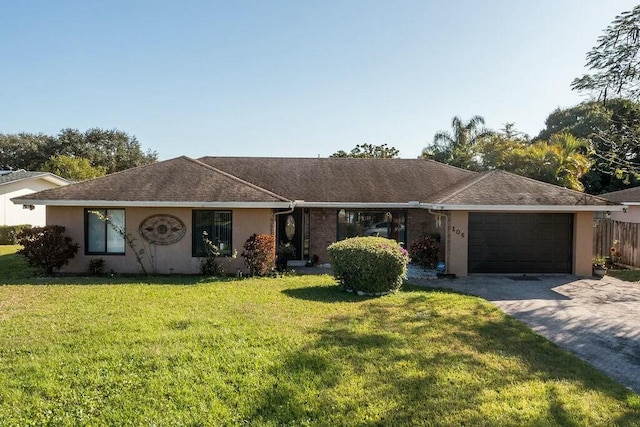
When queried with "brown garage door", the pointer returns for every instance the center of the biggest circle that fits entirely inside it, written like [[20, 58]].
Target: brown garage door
[[520, 243]]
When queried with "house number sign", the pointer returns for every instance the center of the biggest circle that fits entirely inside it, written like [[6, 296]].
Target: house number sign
[[457, 231], [162, 229]]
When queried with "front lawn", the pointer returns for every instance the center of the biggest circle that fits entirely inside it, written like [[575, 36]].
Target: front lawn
[[290, 351]]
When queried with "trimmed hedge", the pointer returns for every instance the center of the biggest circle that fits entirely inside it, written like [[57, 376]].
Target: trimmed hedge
[[9, 233], [371, 265]]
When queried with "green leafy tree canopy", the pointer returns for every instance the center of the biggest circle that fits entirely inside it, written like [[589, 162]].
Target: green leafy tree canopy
[[369, 151], [111, 149], [614, 61], [73, 168], [460, 146]]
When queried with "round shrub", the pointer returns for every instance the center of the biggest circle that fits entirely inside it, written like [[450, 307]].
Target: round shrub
[[369, 264], [47, 247]]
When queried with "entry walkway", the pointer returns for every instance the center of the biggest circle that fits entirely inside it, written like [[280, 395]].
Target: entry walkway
[[598, 320]]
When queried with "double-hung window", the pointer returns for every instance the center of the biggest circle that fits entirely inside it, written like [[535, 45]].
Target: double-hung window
[[217, 225], [104, 231]]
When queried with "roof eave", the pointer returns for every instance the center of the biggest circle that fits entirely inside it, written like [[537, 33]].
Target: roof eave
[[357, 205], [446, 207], [154, 204], [531, 208]]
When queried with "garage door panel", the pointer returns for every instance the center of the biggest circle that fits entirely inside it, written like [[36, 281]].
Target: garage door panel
[[520, 243]]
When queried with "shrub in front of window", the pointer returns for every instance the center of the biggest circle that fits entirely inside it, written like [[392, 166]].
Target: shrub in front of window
[[259, 254], [96, 266], [425, 251], [47, 247], [371, 265], [210, 266], [9, 233]]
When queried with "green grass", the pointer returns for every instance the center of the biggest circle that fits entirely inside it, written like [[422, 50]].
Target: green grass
[[626, 275], [290, 351], [12, 265]]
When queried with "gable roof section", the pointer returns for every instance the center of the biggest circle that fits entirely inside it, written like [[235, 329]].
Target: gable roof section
[[348, 180], [179, 181], [325, 182], [628, 195], [500, 188], [22, 175]]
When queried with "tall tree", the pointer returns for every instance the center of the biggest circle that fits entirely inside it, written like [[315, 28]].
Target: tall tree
[[112, 149], [460, 146], [369, 151], [562, 160], [73, 168], [615, 60], [613, 131], [25, 150]]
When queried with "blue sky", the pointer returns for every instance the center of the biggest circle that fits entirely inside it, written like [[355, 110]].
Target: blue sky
[[290, 78]]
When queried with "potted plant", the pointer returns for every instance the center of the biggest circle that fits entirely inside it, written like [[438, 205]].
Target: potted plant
[[599, 266]]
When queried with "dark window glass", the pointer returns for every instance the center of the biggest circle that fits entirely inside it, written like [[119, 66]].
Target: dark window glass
[[389, 224], [217, 225], [104, 231]]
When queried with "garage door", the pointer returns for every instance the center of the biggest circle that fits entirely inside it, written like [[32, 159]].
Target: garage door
[[520, 243]]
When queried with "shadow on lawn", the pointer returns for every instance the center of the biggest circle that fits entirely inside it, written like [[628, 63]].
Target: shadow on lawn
[[328, 294], [402, 365]]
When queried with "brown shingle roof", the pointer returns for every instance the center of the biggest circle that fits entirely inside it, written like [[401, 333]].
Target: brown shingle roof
[[621, 196], [345, 179], [504, 188], [177, 180], [341, 180]]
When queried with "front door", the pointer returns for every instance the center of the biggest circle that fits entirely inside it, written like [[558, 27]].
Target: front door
[[290, 231]]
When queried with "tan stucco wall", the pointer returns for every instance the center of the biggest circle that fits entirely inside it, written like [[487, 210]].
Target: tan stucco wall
[[583, 243], [458, 243], [12, 214], [167, 259]]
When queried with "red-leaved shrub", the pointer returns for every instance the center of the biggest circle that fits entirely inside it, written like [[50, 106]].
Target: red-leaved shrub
[[46, 247], [260, 254]]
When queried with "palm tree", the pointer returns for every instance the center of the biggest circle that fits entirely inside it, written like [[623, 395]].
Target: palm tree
[[459, 147], [572, 161], [562, 160]]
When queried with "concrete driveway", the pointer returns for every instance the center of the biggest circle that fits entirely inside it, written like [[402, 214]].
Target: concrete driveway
[[597, 320]]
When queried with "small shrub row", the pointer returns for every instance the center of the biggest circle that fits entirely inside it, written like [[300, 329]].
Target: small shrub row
[[369, 264], [9, 233]]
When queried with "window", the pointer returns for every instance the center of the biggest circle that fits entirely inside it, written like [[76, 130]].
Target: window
[[103, 231], [389, 224], [217, 224]]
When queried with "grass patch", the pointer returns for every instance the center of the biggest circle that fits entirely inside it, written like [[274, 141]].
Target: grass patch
[[290, 351], [14, 266], [626, 275]]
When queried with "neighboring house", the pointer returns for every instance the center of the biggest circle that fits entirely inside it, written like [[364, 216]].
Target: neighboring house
[[493, 222], [629, 197], [17, 183], [620, 229]]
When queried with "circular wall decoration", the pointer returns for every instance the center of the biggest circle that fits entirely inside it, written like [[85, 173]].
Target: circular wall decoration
[[162, 229]]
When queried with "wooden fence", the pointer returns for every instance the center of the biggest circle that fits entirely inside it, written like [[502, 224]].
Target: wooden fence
[[625, 236]]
